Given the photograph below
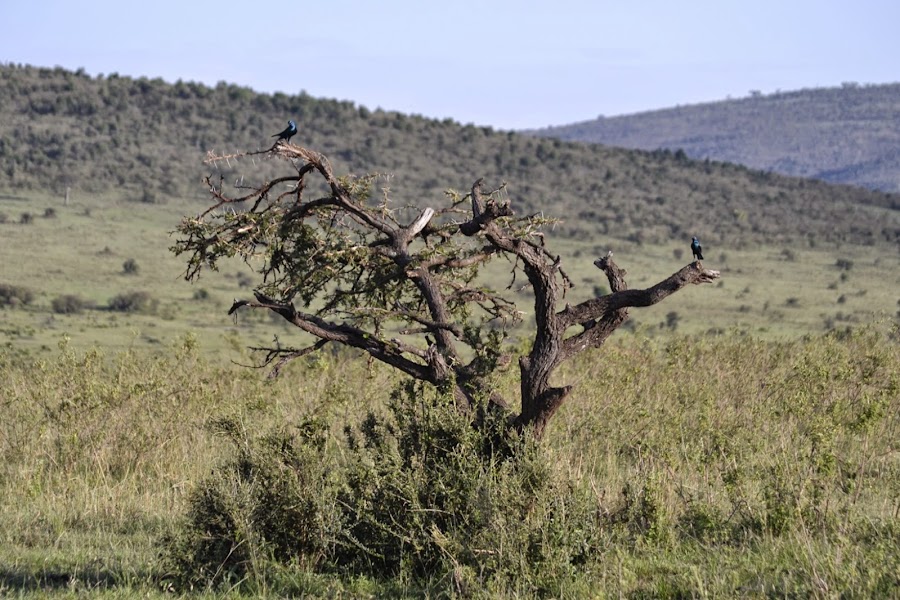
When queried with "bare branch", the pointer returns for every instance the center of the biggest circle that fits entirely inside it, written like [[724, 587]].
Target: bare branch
[[358, 266], [453, 262], [383, 350], [416, 226], [693, 273], [284, 355]]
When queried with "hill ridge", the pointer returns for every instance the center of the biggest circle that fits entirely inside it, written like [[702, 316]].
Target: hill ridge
[[144, 140], [848, 134]]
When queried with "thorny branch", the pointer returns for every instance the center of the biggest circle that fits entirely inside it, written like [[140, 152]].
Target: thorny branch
[[405, 289]]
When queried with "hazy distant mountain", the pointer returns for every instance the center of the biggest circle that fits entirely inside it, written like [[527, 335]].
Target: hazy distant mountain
[[846, 135]]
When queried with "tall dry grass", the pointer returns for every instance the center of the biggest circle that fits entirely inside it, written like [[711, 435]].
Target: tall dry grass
[[711, 466]]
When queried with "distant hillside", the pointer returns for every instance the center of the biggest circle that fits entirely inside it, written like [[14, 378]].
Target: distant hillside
[[144, 140], [845, 135]]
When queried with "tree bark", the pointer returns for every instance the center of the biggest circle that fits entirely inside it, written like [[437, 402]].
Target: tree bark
[[599, 318]]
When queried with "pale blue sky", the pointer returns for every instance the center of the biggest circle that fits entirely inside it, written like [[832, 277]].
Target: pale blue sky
[[503, 63]]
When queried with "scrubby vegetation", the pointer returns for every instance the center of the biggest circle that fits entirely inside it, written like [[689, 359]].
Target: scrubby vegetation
[[15, 295], [68, 304], [138, 301], [713, 467], [717, 465], [65, 130]]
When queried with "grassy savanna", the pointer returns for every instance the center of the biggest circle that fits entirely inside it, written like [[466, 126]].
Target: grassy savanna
[[771, 290], [742, 443], [777, 240], [686, 467], [81, 251]]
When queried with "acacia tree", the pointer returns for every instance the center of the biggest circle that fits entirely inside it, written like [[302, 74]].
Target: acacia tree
[[401, 283]]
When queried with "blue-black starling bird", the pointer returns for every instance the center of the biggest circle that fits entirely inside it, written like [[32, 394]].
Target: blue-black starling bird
[[696, 249], [289, 131]]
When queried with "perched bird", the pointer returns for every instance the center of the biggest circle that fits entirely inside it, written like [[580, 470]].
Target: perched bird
[[696, 249], [289, 131]]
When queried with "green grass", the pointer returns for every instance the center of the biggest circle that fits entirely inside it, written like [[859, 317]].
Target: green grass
[[771, 291], [82, 251], [727, 449], [756, 468]]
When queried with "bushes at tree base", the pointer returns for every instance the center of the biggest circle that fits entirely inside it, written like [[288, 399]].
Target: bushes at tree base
[[772, 479], [420, 495], [428, 496], [272, 501]]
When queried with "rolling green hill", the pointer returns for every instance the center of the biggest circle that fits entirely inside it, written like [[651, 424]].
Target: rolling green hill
[[847, 135], [142, 139], [797, 255]]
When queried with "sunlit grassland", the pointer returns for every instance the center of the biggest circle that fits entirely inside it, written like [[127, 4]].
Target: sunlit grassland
[[772, 291], [100, 450], [81, 251], [755, 468]]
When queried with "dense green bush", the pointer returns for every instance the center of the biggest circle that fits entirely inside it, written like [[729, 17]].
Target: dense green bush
[[272, 501], [420, 495], [430, 497]]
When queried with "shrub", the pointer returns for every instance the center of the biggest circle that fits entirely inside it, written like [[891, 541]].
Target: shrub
[[26, 218], [844, 264], [133, 302], [15, 295], [130, 267], [68, 304], [420, 493], [273, 500], [672, 320]]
